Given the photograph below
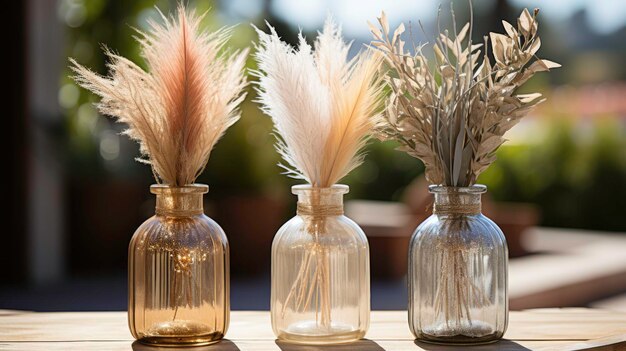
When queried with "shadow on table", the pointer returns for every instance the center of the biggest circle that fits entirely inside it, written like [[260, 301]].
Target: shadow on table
[[507, 345], [224, 345], [361, 345]]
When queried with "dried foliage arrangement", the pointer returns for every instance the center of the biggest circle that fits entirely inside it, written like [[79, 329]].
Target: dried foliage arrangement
[[324, 107], [453, 112], [183, 104]]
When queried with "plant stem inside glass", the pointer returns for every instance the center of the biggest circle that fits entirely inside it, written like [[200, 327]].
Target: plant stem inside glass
[[178, 272], [320, 272], [458, 272]]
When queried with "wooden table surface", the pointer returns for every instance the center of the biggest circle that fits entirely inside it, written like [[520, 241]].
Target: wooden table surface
[[541, 329]]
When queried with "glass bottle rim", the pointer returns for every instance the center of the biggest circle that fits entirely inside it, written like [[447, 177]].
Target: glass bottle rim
[[333, 189], [165, 189], [444, 189]]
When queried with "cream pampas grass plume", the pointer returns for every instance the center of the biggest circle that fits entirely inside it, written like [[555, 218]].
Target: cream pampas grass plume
[[179, 108], [323, 104]]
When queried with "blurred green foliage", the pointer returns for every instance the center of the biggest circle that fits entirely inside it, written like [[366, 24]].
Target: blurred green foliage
[[384, 174], [576, 175]]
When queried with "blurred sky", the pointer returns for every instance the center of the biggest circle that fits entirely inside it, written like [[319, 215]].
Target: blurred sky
[[604, 16]]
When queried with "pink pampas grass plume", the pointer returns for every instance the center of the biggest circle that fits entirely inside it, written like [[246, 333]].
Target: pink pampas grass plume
[[179, 108]]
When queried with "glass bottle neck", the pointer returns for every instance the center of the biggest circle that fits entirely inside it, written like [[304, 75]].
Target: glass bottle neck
[[182, 201], [320, 202], [457, 200]]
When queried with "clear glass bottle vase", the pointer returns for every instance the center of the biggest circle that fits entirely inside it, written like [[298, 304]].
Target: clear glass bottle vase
[[320, 272], [458, 270], [178, 272]]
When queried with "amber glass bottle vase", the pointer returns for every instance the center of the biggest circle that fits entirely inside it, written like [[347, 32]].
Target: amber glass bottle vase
[[178, 272]]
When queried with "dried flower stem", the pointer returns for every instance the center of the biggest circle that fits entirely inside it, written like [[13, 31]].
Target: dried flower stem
[[309, 283], [457, 291]]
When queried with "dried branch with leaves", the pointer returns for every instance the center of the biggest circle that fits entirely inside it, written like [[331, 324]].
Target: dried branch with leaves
[[454, 116]]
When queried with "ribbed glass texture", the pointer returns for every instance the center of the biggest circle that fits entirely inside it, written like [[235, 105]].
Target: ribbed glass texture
[[458, 264], [320, 272], [178, 272]]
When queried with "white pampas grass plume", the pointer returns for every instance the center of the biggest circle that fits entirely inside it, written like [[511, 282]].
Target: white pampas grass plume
[[323, 105], [183, 104]]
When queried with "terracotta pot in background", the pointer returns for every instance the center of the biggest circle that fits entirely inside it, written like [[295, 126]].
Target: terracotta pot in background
[[386, 226], [102, 218], [386, 262], [514, 219], [250, 223]]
